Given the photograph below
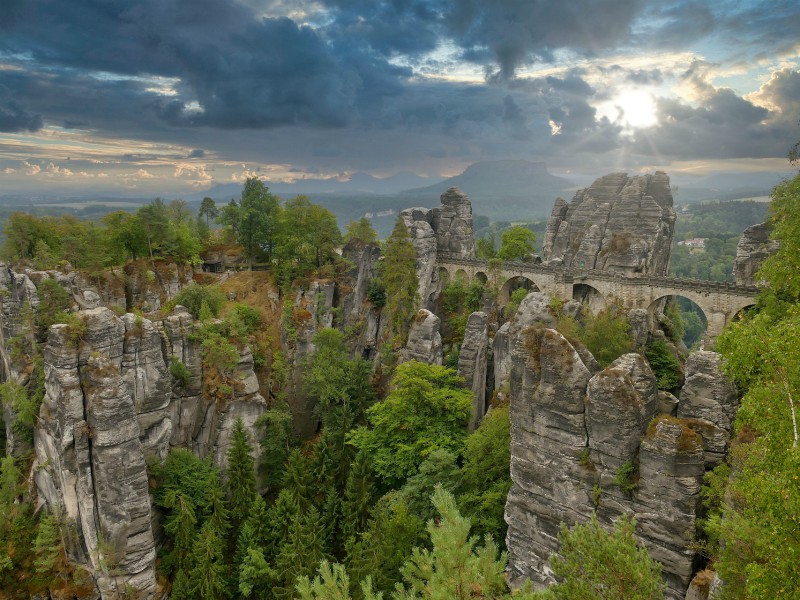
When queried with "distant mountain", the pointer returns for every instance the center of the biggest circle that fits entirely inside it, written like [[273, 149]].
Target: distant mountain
[[359, 183], [724, 186], [510, 190]]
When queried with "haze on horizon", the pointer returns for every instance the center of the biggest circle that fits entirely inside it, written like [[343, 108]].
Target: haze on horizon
[[161, 97]]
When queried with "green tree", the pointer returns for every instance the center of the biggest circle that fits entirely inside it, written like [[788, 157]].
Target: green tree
[[439, 468], [193, 296], [485, 247], [665, 365], [53, 301], [400, 278], [181, 527], [10, 477], [258, 220], [382, 549], [757, 519], [599, 565], [156, 226], [230, 218], [209, 210], [359, 498], [486, 475], [361, 231], [454, 568], [277, 441], [126, 237], [427, 409], [301, 553], [207, 578], [517, 243], [606, 335], [241, 476]]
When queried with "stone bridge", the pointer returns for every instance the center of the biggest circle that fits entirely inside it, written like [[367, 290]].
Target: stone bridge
[[719, 301]]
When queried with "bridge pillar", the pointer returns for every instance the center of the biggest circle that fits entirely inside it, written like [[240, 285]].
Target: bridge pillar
[[716, 323]]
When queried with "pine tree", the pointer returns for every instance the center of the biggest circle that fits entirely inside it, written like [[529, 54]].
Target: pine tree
[[219, 512], [454, 569], [241, 477], [302, 553], [282, 514], [207, 578], [181, 588], [400, 278], [181, 526], [47, 547], [598, 565], [256, 577], [359, 497]]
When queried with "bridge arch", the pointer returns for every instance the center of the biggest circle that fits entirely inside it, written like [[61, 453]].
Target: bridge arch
[[461, 276], [444, 276], [694, 317], [589, 295], [512, 285], [482, 277]]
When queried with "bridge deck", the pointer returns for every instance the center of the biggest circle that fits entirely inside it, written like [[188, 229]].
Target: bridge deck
[[579, 275]]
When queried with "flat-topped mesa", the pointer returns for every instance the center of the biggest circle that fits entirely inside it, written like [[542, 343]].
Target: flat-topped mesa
[[619, 223], [444, 229]]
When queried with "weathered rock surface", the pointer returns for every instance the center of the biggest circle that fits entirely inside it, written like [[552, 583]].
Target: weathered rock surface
[[111, 405], [754, 247], [424, 340], [312, 310], [709, 399], [447, 229], [572, 430], [357, 311], [619, 223], [473, 362], [91, 463]]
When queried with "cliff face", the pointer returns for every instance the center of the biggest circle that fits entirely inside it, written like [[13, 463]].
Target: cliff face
[[111, 406], [447, 228], [754, 247], [619, 223], [575, 427]]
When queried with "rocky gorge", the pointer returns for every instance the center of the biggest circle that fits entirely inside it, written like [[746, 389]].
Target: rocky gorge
[[584, 438]]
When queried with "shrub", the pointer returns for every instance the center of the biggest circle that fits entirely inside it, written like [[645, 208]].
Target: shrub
[[193, 297], [665, 366], [249, 316], [626, 477], [179, 371], [376, 293], [517, 296]]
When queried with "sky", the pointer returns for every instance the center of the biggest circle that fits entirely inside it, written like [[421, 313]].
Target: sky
[[163, 97]]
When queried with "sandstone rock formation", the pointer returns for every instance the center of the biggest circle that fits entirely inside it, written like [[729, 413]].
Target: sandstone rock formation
[[424, 340], [447, 229], [311, 310], [358, 313], [754, 247], [619, 223], [473, 363], [573, 430], [90, 463], [110, 406]]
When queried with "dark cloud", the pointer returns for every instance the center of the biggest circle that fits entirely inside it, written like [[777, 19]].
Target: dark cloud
[[517, 32], [13, 117], [197, 153], [515, 120]]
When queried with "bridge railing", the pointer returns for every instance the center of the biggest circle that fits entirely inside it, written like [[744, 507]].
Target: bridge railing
[[578, 275]]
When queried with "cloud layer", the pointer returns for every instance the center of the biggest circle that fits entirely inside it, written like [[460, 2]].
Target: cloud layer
[[341, 85]]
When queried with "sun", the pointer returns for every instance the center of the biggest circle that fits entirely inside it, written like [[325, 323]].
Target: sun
[[635, 108]]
